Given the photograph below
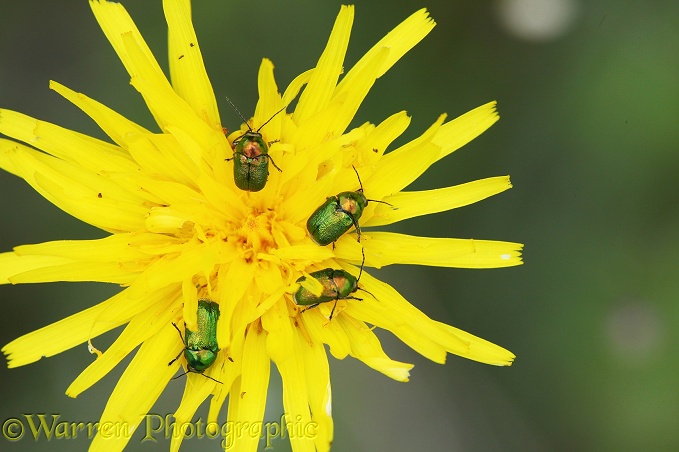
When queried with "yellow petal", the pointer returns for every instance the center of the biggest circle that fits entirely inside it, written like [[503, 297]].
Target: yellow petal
[[349, 99], [296, 401], [269, 103], [160, 155], [389, 310], [296, 85], [114, 248], [13, 264], [402, 166], [366, 347], [196, 389], [129, 44], [418, 203], [377, 141], [461, 130], [322, 331], [140, 328], [317, 372], [138, 389], [254, 383], [386, 248], [478, 349], [115, 125], [237, 278], [80, 327], [322, 83], [399, 40], [187, 70], [109, 272], [230, 378], [93, 198], [90, 153]]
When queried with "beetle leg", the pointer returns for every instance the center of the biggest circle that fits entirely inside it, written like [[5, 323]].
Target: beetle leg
[[358, 229], [182, 337], [309, 307], [180, 354], [333, 309], [274, 163], [178, 331]]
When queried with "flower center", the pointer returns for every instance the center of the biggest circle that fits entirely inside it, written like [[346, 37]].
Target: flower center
[[256, 231]]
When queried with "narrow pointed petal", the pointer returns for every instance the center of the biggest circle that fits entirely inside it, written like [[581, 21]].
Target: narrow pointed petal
[[138, 389], [399, 40], [402, 166], [117, 248], [90, 153], [320, 330], [317, 374], [283, 348], [269, 103], [13, 264], [386, 248], [140, 328], [115, 125], [196, 389], [118, 27], [320, 88], [461, 130], [79, 328], [350, 99], [93, 198], [383, 135], [418, 203], [187, 70], [366, 347], [253, 387]]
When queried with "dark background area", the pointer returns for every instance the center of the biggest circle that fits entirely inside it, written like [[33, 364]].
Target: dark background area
[[588, 93]]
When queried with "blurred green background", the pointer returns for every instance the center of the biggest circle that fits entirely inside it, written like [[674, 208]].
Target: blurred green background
[[588, 93]]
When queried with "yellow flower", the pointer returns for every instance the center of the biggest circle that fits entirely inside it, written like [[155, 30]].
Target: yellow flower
[[179, 230]]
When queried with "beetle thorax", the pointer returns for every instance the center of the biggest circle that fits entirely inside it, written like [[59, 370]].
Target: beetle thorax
[[348, 204], [251, 149]]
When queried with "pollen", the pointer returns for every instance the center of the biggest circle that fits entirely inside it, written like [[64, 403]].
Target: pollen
[[256, 232]]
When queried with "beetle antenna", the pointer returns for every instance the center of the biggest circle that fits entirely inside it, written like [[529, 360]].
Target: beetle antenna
[[360, 272], [207, 376], [180, 375], [358, 177], [361, 190], [269, 120], [239, 113], [360, 288], [200, 373], [359, 276], [381, 202]]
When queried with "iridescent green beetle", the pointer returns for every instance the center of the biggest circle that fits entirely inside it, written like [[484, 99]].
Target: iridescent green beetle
[[337, 285], [251, 157], [201, 346], [337, 215]]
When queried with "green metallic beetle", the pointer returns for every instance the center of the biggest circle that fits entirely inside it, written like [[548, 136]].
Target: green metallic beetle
[[337, 215], [201, 346], [251, 157], [337, 285]]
